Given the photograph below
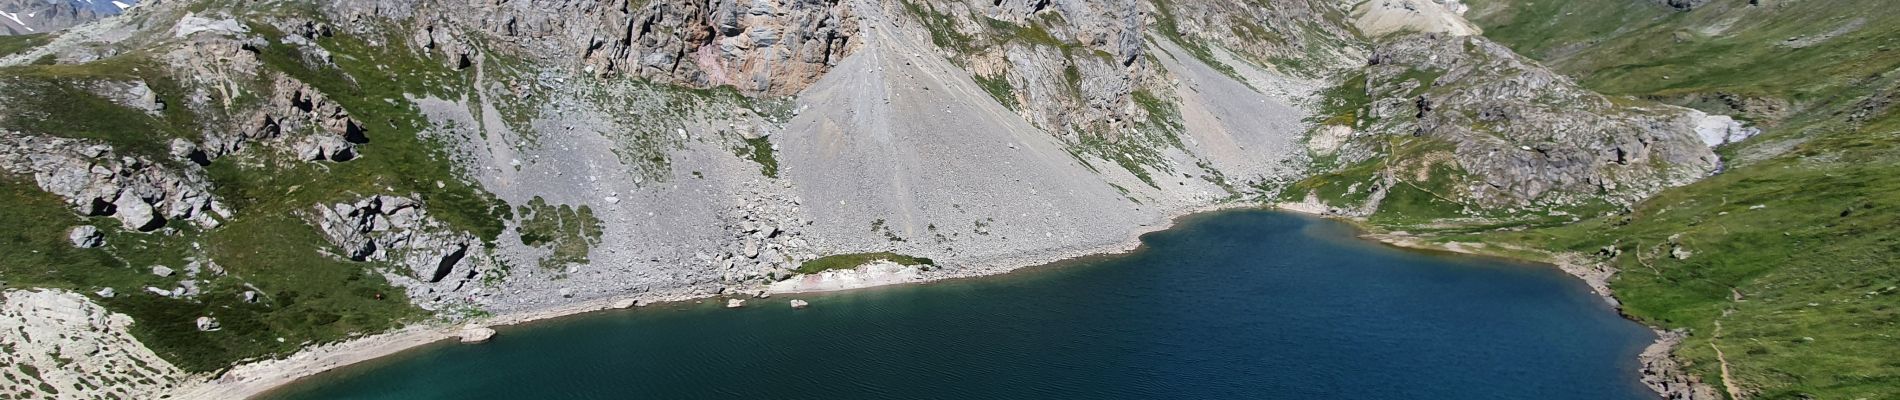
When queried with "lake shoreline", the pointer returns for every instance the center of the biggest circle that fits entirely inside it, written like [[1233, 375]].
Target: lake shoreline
[[252, 379], [1660, 371]]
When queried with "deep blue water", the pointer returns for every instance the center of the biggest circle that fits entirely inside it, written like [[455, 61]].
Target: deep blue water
[[1228, 305]]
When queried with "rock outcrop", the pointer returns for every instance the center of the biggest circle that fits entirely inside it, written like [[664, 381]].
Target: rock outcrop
[[435, 260], [60, 344], [221, 57], [143, 194], [1501, 131]]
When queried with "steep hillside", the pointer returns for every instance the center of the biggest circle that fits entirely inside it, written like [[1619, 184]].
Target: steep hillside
[[1781, 268], [241, 181]]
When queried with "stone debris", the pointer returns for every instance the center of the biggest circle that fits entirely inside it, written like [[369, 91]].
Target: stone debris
[[76, 346]]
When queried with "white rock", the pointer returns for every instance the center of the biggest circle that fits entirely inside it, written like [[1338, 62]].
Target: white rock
[[476, 334], [799, 304], [735, 303], [207, 324], [161, 270], [86, 236], [106, 293]]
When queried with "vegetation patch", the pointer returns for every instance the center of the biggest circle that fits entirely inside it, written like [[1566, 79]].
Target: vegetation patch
[[850, 261], [759, 150], [1787, 262], [569, 232], [16, 44]]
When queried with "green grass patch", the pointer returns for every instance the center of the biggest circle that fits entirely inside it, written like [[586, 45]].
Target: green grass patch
[[1795, 254], [849, 261], [16, 44], [759, 150], [999, 88], [570, 232]]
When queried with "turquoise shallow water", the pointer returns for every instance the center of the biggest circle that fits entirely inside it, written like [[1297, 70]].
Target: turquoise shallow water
[[1228, 305]]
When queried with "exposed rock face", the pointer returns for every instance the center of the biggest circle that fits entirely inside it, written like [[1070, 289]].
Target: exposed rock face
[[76, 346], [1277, 32], [25, 17], [143, 194], [759, 47], [397, 230], [1520, 134], [295, 117]]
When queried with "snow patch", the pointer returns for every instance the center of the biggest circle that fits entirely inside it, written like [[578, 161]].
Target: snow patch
[[16, 20], [1718, 130]]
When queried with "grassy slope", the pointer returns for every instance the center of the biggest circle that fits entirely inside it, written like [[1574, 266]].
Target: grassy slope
[[308, 297], [15, 44], [1795, 256]]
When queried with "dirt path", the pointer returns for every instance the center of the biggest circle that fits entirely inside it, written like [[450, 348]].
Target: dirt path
[[1728, 380]]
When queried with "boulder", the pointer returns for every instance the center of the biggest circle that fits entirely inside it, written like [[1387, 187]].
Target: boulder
[[106, 293], [735, 303], [161, 270], [86, 236], [135, 213], [799, 304], [751, 248], [207, 324], [476, 334]]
